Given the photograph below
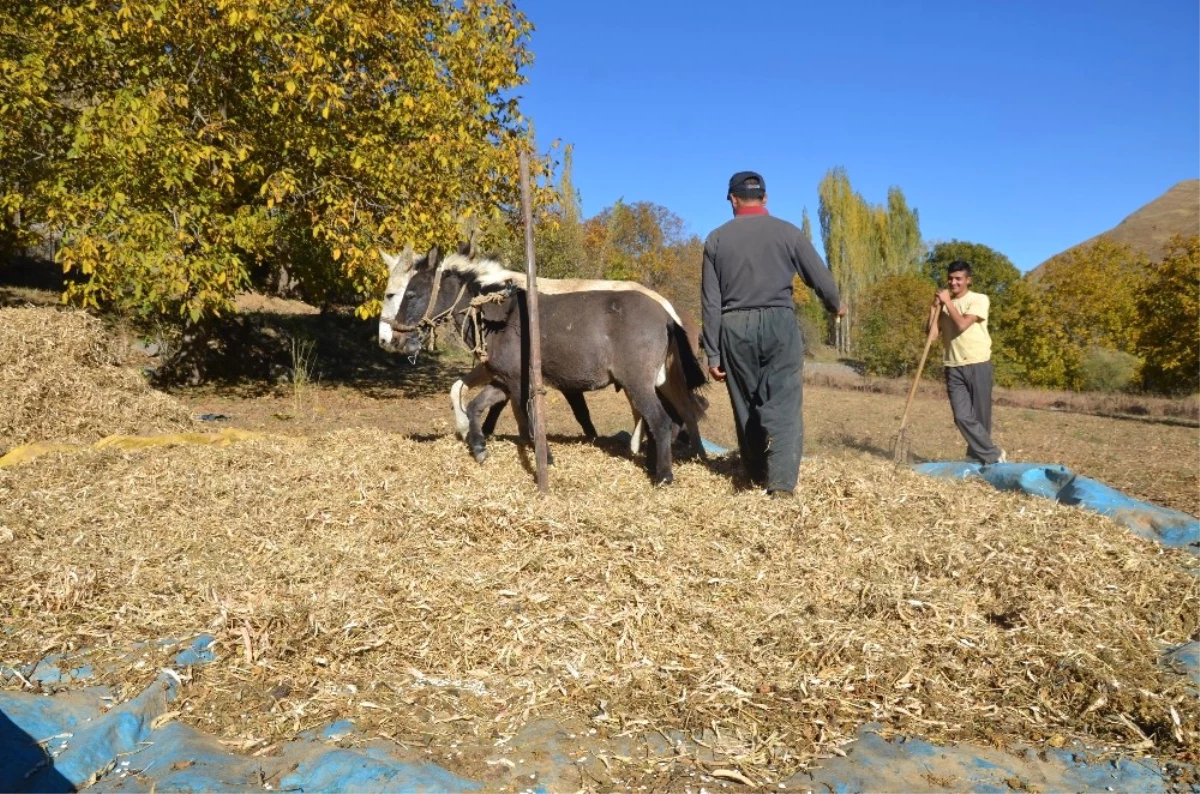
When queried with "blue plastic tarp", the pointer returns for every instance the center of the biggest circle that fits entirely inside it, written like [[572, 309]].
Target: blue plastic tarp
[[1172, 528], [79, 739], [71, 741], [879, 765]]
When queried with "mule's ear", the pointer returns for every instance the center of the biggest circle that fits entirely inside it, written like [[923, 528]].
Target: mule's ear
[[473, 242], [429, 261], [470, 248], [401, 262], [391, 260]]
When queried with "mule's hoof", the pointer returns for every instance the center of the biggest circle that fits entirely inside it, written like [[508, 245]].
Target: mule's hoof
[[667, 480], [480, 455]]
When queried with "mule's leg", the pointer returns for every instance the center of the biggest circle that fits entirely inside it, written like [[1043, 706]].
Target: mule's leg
[[488, 397], [489, 424], [639, 426], [461, 423], [473, 379], [525, 429], [645, 401], [639, 430], [582, 415], [681, 405]]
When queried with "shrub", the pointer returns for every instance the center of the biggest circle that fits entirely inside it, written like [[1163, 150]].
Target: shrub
[[892, 335], [1107, 370]]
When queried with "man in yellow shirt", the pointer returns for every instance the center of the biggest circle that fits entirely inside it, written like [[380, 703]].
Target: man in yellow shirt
[[967, 357]]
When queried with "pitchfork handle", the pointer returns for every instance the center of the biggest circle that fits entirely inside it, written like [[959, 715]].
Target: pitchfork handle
[[933, 331]]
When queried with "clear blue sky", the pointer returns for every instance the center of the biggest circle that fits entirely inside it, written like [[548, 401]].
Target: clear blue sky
[[1025, 125]]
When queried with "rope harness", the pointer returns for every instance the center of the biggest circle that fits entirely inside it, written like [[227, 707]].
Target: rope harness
[[471, 315], [426, 327]]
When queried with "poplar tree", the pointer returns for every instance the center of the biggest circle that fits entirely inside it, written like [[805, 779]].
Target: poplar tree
[[863, 243]]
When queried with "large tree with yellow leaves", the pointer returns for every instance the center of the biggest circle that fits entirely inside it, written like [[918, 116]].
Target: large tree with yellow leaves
[[180, 147]]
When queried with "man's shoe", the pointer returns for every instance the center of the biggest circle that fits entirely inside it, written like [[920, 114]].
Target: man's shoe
[[1002, 459]]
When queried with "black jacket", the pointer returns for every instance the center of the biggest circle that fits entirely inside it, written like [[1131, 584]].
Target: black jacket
[[749, 263]]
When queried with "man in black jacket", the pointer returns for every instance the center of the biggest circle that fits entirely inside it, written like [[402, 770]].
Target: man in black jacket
[[751, 334]]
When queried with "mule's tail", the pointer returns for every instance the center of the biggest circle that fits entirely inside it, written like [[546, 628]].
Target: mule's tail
[[692, 371], [685, 363]]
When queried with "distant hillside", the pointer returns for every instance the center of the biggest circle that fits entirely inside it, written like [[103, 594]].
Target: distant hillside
[[1149, 229]]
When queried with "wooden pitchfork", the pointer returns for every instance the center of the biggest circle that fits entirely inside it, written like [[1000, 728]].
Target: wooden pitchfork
[[901, 448]]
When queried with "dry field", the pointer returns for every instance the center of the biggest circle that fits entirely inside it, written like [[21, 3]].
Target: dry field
[[354, 562], [1150, 459]]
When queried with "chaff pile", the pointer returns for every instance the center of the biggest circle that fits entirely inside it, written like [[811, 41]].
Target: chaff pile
[[62, 379], [395, 582]]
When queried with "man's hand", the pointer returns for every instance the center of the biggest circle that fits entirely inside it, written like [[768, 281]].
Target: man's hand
[[717, 373], [841, 312], [944, 297]]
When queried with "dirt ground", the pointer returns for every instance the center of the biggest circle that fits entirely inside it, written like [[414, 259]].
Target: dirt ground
[[1149, 460], [355, 384]]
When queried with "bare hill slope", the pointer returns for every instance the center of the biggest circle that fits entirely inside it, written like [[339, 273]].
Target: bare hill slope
[[1149, 228]]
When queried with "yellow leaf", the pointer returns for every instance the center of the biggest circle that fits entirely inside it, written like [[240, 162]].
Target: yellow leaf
[[337, 254], [290, 86]]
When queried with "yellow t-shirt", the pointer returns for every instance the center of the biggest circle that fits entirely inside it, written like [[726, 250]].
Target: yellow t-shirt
[[972, 346]]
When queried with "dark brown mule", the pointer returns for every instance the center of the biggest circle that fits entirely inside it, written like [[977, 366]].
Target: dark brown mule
[[590, 340], [400, 273]]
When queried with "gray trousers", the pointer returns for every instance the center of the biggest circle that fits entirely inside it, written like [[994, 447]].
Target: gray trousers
[[969, 388], [763, 355]]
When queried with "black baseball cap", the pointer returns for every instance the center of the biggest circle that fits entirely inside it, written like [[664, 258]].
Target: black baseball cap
[[747, 184]]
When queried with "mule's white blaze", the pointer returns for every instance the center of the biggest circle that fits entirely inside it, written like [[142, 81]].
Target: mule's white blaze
[[397, 284], [461, 423], [400, 270]]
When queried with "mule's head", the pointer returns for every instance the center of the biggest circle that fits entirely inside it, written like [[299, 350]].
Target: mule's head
[[407, 301], [400, 272]]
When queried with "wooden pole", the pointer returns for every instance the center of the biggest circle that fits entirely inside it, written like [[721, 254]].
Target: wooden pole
[[535, 336]]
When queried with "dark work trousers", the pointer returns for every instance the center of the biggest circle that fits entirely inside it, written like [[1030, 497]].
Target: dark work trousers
[[762, 355], [970, 390]]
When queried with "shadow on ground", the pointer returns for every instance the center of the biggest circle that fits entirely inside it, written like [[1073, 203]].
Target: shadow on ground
[[27, 766], [253, 354]]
